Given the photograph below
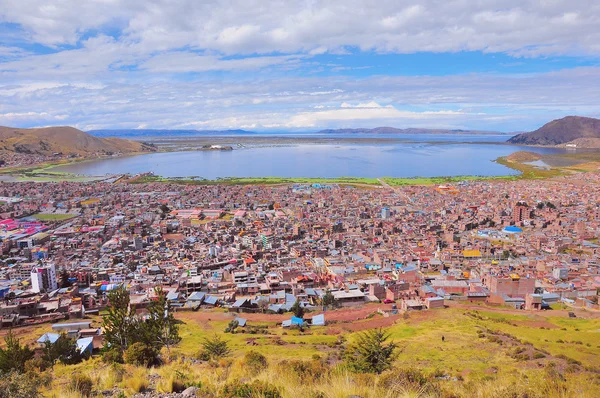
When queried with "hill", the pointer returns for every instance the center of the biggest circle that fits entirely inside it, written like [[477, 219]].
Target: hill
[[561, 131], [65, 140]]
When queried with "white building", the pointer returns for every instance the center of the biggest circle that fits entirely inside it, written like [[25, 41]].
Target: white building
[[43, 278]]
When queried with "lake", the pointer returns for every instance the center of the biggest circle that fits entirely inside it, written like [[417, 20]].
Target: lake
[[453, 157]]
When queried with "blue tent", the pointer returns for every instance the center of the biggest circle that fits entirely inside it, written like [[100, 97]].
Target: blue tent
[[297, 321]]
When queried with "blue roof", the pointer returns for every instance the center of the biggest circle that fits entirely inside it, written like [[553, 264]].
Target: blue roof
[[210, 300], [513, 229], [241, 321], [196, 296], [51, 337], [239, 303], [85, 344]]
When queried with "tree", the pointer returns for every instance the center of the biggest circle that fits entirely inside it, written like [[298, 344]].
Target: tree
[[160, 329], [297, 309], [14, 355], [64, 279], [370, 353], [63, 350], [215, 347], [120, 323], [232, 326], [263, 304], [328, 300]]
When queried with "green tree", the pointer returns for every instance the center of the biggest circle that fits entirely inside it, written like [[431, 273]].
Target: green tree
[[14, 355], [328, 300], [297, 309], [160, 328], [120, 323], [215, 347], [371, 353], [63, 350]]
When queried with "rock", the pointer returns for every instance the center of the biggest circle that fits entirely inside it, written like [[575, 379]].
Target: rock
[[189, 392]]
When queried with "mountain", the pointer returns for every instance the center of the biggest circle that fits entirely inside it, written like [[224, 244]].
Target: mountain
[[393, 130], [66, 140], [562, 131], [141, 133]]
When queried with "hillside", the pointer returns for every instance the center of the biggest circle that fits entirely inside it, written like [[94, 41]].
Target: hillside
[[66, 140], [561, 131]]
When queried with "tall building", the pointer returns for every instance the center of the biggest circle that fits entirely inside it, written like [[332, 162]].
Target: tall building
[[267, 241], [386, 213], [43, 278], [138, 244], [520, 212]]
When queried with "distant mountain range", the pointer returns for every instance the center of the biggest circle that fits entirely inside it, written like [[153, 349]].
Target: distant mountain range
[[393, 130], [574, 130], [136, 133], [65, 140]]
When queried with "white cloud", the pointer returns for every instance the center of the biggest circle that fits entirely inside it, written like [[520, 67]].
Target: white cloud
[[267, 26]]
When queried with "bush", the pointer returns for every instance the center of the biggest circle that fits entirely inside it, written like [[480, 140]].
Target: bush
[[81, 384], [18, 385], [215, 347], [250, 390], [304, 370], [255, 362], [113, 355], [140, 354], [371, 353]]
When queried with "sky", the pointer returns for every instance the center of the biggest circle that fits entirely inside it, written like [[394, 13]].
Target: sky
[[267, 65]]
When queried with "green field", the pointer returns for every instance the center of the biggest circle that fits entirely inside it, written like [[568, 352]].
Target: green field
[[256, 181], [486, 352], [53, 217]]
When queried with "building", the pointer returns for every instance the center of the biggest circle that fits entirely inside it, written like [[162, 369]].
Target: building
[[43, 278], [385, 213], [520, 212]]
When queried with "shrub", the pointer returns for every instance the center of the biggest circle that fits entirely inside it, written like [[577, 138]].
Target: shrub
[[137, 382], [255, 362], [18, 385], [397, 379], [81, 384], [140, 354], [371, 353], [539, 355], [215, 347], [250, 390], [112, 356], [304, 370]]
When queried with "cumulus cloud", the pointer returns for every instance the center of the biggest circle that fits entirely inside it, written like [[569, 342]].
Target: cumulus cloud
[[131, 63], [520, 26]]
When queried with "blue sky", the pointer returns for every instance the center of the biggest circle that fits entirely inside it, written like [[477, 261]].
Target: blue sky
[[298, 66]]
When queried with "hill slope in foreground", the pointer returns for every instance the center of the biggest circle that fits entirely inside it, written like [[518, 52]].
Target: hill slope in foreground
[[66, 140], [486, 352], [583, 131]]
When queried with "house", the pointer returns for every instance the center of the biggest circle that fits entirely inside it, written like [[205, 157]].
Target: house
[[295, 321], [85, 345], [318, 320], [48, 338], [414, 305], [434, 302]]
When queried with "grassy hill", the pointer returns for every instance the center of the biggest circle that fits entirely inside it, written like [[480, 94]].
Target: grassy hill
[[65, 140], [561, 131], [486, 352]]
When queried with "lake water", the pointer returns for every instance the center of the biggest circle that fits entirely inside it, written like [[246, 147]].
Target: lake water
[[401, 159]]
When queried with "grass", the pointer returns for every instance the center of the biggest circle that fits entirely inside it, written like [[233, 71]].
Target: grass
[[472, 366], [256, 180], [529, 172], [394, 181], [53, 217]]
